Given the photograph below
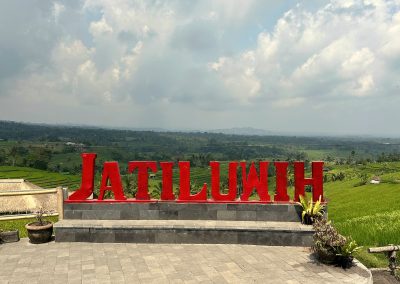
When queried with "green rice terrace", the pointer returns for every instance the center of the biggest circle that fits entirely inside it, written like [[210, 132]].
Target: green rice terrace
[[370, 213], [39, 177]]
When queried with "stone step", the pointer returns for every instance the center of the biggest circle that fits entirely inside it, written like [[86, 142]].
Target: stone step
[[182, 211], [184, 231]]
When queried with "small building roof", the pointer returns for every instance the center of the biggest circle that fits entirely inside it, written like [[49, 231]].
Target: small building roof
[[28, 201], [17, 185]]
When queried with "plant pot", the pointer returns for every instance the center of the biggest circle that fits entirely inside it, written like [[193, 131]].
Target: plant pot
[[38, 233], [345, 261], [326, 256], [307, 220], [9, 236]]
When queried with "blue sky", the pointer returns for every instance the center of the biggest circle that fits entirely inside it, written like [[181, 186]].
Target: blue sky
[[316, 66]]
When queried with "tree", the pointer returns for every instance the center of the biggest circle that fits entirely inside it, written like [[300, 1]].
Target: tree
[[329, 158], [363, 178], [39, 158], [2, 156], [17, 151]]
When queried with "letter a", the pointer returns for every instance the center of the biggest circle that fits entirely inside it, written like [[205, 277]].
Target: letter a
[[111, 173]]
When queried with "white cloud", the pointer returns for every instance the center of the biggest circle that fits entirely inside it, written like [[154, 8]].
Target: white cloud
[[342, 49], [289, 102], [57, 10], [219, 60], [358, 62], [100, 28]]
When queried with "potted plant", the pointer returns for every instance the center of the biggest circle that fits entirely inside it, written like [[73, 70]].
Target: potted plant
[[311, 210], [327, 241], [331, 247], [41, 230], [9, 236], [345, 253]]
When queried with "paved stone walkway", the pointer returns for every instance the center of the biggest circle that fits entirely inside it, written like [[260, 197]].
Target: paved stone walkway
[[23, 262]]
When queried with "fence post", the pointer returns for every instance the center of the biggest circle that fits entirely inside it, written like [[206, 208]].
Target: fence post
[[390, 252], [392, 261], [60, 203]]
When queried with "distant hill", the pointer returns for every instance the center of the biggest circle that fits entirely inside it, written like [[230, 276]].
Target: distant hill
[[242, 131]]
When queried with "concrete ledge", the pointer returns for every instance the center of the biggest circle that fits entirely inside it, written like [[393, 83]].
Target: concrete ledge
[[183, 211], [184, 231], [364, 271]]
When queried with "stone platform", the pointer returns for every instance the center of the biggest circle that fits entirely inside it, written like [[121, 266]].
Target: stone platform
[[172, 222], [183, 211], [184, 231]]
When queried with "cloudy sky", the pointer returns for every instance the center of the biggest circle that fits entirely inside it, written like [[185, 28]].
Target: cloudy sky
[[316, 66]]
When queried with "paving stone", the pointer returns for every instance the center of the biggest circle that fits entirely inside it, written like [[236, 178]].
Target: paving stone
[[168, 263]]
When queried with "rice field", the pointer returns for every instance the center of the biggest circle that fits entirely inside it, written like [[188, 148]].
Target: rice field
[[20, 225], [41, 178], [370, 214]]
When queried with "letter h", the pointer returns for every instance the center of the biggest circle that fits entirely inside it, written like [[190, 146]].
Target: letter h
[[316, 181]]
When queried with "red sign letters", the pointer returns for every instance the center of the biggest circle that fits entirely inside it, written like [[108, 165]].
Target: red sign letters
[[251, 180]]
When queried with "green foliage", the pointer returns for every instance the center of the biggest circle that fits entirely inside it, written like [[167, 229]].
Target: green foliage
[[371, 259], [369, 213], [130, 185], [3, 156], [41, 178], [348, 249], [335, 177], [391, 180], [376, 229], [327, 240], [29, 145], [363, 180], [311, 210], [19, 224], [155, 191], [330, 246], [39, 215]]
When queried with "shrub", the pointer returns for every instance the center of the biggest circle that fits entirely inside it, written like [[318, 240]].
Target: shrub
[[330, 246], [311, 210], [327, 240]]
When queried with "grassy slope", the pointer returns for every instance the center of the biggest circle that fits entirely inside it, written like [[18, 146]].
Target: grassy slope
[[20, 225], [41, 178], [369, 213]]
